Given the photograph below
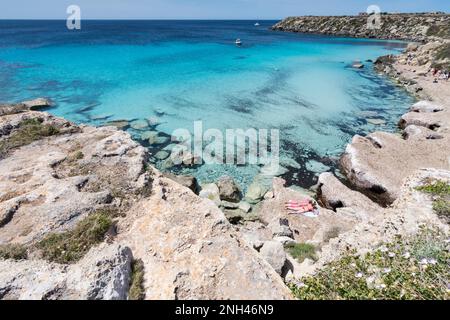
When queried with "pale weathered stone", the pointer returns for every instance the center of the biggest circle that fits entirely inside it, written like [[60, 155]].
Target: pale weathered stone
[[210, 191], [273, 253], [103, 274], [379, 163]]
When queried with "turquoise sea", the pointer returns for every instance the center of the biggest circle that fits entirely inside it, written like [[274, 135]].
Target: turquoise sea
[[183, 71]]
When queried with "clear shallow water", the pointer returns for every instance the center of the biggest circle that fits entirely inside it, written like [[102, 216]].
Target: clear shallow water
[[182, 71]]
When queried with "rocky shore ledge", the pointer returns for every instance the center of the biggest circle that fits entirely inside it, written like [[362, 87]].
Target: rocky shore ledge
[[83, 215], [413, 27]]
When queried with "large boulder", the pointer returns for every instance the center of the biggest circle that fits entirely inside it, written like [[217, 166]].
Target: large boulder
[[379, 163], [229, 190], [273, 253], [189, 182], [210, 191], [333, 194]]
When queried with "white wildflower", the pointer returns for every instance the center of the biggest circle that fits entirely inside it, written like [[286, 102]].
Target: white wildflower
[[407, 255], [391, 254], [386, 270], [383, 249], [359, 275], [432, 261], [424, 261], [353, 265]]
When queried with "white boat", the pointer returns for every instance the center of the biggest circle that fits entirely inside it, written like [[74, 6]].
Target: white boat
[[257, 24], [238, 42]]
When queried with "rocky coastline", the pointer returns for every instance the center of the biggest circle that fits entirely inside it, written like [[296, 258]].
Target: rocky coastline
[[83, 215], [412, 27]]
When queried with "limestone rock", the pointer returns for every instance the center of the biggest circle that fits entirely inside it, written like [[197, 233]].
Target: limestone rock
[[190, 251], [279, 222], [316, 166], [255, 192], [104, 273], [186, 181], [140, 124], [411, 211], [333, 194], [379, 163], [273, 253], [244, 206], [38, 103], [210, 191], [426, 106], [162, 155], [228, 189]]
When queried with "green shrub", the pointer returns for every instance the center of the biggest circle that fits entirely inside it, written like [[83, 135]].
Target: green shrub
[[28, 131], [438, 188], [441, 202], [137, 281], [413, 268], [72, 245], [13, 251], [442, 208], [302, 251], [442, 31]]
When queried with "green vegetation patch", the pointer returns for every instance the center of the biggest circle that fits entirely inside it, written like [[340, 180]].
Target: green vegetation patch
[[441, 60], [302, 251], [441, 31], [408, 269], [70, 246], [13, 251], [28, 131], [137, 291], [440, 190]]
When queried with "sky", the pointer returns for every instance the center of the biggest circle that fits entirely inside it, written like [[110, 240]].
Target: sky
[[206, 9]]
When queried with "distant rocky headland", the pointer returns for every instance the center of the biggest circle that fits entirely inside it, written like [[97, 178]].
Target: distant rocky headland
[[84, 216], [413, 27]]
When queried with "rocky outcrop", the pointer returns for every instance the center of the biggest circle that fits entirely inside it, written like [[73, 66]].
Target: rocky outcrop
[[334, 195], [50, 184], [103, 274], [408, 214], [415, 27], [54, 179], [190, 251], [378, 163], [273, 214]]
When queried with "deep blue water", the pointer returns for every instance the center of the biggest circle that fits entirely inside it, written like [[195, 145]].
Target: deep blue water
[[182, 71]]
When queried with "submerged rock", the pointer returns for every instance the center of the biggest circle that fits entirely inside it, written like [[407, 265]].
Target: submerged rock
[[38, 103], [140, 124], [161, 155], [376, 122], [316, 166], [119, 124]]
